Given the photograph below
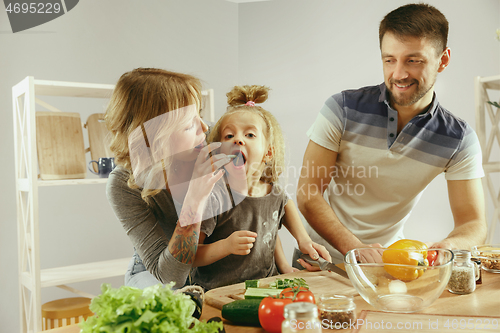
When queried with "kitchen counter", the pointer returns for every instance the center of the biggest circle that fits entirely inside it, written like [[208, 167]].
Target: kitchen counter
[[485, 301]]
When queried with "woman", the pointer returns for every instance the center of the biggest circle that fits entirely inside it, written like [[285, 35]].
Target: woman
[[163, 175]]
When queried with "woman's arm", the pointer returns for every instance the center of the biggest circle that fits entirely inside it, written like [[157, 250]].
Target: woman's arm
[[144, 230], [184, 241]]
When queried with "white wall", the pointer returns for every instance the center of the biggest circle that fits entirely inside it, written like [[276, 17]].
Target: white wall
[[304, 50], [96, 42], [308, 50]]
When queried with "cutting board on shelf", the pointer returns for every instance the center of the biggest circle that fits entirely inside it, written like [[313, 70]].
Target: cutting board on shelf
[[322, 282], [99, 138], [60, 147]]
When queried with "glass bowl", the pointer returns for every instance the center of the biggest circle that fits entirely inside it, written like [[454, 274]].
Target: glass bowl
[[393, 287], [489, 254]]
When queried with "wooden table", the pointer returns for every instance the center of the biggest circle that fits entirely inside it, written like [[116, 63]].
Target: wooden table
[[485, 301]]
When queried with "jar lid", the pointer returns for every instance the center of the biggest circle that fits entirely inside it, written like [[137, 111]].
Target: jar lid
[[461, 254], [331, 302], [300, 308]]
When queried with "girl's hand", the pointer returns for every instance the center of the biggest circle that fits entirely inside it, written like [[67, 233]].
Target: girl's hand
[[314, 250], [288, 269], [240, 242]]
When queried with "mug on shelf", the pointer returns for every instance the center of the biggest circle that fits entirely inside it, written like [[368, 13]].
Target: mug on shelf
[[104, 166]]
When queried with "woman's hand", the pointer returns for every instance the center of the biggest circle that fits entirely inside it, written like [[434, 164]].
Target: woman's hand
[[205, 174], [207, 171], [240, 242]]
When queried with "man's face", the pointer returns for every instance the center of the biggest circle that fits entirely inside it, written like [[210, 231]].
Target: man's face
[[410, 69]]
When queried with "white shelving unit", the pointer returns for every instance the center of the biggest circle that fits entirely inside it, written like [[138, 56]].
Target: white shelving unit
[[31, 277], [488, 135]]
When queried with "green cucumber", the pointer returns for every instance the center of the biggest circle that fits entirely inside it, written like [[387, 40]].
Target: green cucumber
[[242, 312], [288, 283], [251, 284], [260, 293]]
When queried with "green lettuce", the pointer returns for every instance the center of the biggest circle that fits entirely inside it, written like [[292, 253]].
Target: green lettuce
[[154, 309]]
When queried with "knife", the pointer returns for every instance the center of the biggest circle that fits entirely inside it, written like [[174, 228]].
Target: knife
[[324, 265]]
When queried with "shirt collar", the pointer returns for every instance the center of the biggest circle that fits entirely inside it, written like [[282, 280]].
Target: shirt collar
[[383, 98]]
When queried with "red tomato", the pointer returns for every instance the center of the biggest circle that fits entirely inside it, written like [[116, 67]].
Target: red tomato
[[304, 295], [271, 313], [431, 257]]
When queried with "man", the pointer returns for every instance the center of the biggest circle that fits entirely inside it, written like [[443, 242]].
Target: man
[[373, 151]]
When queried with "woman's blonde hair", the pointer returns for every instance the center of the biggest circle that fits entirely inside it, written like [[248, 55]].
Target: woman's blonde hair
[[140, 96], [243, 99]]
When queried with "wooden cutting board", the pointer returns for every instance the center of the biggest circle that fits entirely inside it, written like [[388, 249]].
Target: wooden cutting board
[[60, 147], [322, 282], [382, 322], [99, 138]]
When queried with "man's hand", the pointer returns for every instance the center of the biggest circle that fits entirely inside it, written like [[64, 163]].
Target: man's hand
[[369, 255], [444, 244]]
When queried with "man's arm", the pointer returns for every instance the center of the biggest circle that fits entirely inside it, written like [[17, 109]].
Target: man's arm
[[468, 208], [313, 206]]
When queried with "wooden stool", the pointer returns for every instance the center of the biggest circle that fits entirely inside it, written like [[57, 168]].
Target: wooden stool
[[65, 311]]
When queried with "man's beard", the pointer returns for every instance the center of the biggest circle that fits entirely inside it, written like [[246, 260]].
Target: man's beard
[[410, 99]]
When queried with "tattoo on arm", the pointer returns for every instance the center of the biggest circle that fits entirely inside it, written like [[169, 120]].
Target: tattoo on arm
[[184, 241]]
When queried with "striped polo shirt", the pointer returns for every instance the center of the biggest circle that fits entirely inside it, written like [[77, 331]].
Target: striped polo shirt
[[380, 174]]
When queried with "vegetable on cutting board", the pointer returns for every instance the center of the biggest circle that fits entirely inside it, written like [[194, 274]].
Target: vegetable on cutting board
[[252, 284], [242, 312], [288, 283], [260, 293], [264, 306]]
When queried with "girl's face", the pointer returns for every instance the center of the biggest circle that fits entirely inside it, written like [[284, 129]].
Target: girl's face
[[189, 138], [243, 133]]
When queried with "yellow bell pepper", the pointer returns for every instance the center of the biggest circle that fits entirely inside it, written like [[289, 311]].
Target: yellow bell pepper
[[413, 258]]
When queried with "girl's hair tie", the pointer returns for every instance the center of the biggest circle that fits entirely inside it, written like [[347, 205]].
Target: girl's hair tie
[[250, 103]]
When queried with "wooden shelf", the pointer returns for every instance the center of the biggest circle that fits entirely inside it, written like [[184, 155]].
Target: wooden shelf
[[78, 273], [491, 82], [491, 167], [57, 276], [73, 89], [62, 182], [488, 136], [23, 184]]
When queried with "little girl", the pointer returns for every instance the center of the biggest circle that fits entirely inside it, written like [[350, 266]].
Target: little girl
[[244, 244]]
